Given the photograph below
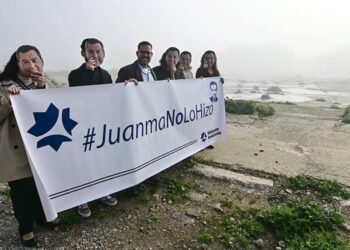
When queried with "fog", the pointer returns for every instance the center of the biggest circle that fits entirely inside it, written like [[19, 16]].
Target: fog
[[253, 38]]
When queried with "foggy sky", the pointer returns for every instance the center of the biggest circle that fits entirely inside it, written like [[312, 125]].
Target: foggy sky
[[252, 38]]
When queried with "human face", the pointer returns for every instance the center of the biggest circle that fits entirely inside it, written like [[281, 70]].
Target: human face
[[185, 60], [144, 54], [29, 62], [171, 58], [94, 52], [209, 60]]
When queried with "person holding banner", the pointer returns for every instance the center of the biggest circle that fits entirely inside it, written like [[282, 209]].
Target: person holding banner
[[139, 71], [91, 73], [168, 64], [23, 72], [208, 68]]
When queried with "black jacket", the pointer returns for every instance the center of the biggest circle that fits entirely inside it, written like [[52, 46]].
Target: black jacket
[[132, 71], [201, 72], [161, 73], [83, 76]]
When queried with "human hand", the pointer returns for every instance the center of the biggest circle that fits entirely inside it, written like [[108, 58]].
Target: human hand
[[91, 64], [131, 80], [172, 68], [12, 90], [38, 78], [222, 80], [181, 67]]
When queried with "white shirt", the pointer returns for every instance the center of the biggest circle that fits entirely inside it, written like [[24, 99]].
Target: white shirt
[[146, 74]]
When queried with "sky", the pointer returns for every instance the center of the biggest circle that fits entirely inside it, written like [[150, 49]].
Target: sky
[[252, 38]]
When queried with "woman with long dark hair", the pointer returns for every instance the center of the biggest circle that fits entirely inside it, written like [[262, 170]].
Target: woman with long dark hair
[[168, 64], [24, 71]]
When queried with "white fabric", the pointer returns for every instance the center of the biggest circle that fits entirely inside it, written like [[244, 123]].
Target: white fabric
[[159, 124]]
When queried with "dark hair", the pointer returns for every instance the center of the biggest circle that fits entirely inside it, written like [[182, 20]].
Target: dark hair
[[186, 53], [87, 41], [11, 69], [144, 43], [26, 48], [215, 69], [163, 61]]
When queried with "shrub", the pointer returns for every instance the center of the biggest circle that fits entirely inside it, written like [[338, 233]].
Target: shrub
[[244, 107], [316, 241], [240, 107], [274, 90], [325, 188], [298, 218], [346, 115], [265, 97], [242, 230], [175, 190], [320, 100], [206, 238], [264, 109]]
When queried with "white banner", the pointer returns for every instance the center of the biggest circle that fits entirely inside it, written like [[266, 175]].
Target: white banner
[[87, 142]]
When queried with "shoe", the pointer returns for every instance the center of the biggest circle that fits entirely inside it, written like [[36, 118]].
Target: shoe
[[84, 210], [28, 243], [210, 147], [109, 200]]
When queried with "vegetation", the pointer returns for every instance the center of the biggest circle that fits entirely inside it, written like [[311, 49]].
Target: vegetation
[[242, 230], [286, 102], [326, 188], [264, 110], [274, 90], [265, 97], [302, 224], [68, 219], [239, 107], [320, 100], [175, 191], [346, 115], [244, 107], [334, 106], [206, 238], [298, 218], [317, 241], [5, 191]]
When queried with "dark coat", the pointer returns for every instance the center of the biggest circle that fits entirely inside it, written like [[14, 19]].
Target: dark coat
[[161, 73], [83, 76], [132, 71], [201, 72]]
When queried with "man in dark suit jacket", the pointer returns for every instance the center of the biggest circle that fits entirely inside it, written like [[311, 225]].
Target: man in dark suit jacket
[[140, 69], [90, 72]]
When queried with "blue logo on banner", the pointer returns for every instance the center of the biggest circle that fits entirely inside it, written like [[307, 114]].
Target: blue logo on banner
[[45, 121], [204, 136]]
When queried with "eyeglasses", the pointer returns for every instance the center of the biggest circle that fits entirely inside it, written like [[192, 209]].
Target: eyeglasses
[[144, 52]]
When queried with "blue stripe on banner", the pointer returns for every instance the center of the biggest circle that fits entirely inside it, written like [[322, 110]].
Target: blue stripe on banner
[[119, 174]]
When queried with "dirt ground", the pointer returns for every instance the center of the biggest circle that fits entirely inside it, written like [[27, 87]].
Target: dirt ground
[[144, 218], [299, 139]]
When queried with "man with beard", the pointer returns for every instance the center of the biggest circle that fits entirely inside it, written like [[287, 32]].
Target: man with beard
[[140, 69]]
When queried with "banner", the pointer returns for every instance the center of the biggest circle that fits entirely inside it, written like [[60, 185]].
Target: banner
[[87, 142]]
